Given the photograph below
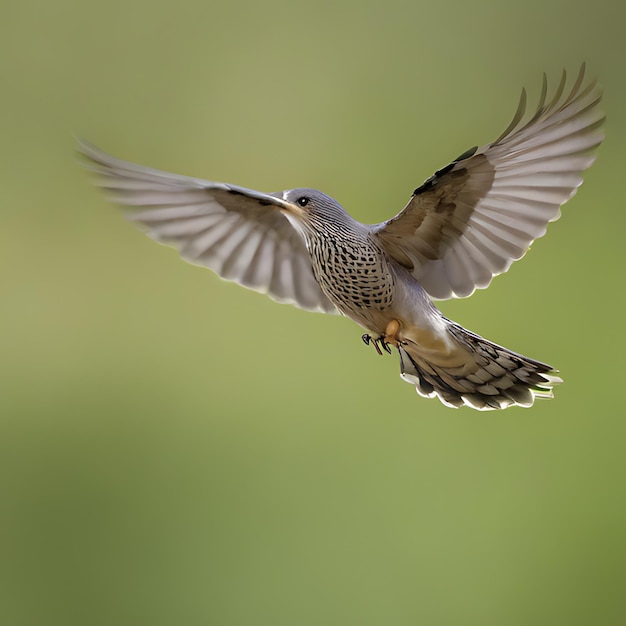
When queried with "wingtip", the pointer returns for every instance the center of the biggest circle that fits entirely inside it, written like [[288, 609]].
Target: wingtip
[[86, 151], [517, 118], [81, 143]]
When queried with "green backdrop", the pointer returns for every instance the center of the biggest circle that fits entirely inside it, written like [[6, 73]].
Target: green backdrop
[[177, 450]]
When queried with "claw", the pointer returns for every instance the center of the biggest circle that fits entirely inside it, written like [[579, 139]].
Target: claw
[[367, 339], [375, 342], [390, 338]]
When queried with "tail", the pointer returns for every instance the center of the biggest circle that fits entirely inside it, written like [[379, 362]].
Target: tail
[[487, 377]]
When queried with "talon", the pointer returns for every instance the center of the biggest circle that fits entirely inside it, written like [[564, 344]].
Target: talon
[[380, 342], [367, 339], [384, 342]]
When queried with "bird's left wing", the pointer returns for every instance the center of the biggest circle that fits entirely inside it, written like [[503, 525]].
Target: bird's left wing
[[473, 218], [239, 233]]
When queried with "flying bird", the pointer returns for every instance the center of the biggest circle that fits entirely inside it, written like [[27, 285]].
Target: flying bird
[[466, 224]]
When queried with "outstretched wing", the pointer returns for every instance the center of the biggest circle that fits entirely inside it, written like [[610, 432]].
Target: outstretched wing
[[473, 218], [239, 233]]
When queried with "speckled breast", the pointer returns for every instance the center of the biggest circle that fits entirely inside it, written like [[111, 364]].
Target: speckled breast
[[354, 276]]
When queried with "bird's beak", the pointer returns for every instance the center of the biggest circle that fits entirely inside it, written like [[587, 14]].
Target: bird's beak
[[292, 209], [288, 208]]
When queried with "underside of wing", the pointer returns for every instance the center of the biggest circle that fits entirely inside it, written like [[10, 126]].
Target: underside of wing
[[473, 218], [239, 233]]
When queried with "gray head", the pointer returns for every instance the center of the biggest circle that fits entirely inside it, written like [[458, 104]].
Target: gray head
[[312, 212]]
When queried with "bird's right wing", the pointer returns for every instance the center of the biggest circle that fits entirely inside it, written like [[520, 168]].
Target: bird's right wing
[[474, 217], [239, 233]]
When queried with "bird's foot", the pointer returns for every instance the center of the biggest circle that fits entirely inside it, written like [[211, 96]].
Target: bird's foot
[[390, 338], [377, 342]]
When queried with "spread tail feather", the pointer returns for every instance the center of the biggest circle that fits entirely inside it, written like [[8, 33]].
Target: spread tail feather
[[491, 377]]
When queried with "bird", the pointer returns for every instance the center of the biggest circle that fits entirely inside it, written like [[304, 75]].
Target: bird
[[464, 225]]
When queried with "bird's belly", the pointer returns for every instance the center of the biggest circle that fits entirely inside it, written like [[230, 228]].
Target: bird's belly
[[386, 297], [375, 291], [360, 281], [367, 298]]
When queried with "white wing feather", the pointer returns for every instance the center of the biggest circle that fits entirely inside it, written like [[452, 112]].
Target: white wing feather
[[239, 233]]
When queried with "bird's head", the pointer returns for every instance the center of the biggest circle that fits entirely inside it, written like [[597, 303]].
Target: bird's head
[[311, 211]]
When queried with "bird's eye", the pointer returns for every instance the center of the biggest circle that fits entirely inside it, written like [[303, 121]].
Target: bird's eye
[[303, 201]]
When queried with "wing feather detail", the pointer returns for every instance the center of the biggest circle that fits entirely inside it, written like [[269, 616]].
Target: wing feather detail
[[473, 218], [239, 233]]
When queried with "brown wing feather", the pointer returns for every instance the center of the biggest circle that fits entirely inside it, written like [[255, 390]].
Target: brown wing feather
[[473, 218]]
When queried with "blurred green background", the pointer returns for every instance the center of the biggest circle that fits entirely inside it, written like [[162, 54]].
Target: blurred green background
[[177, 450]]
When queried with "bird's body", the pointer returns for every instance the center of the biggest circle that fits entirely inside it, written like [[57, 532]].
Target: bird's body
[[363, 282], [464, 225], [352, 271], [378, 293]]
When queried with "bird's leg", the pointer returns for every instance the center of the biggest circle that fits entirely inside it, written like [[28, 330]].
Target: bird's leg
[[383, 344], [384, 341], [368, 338]]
